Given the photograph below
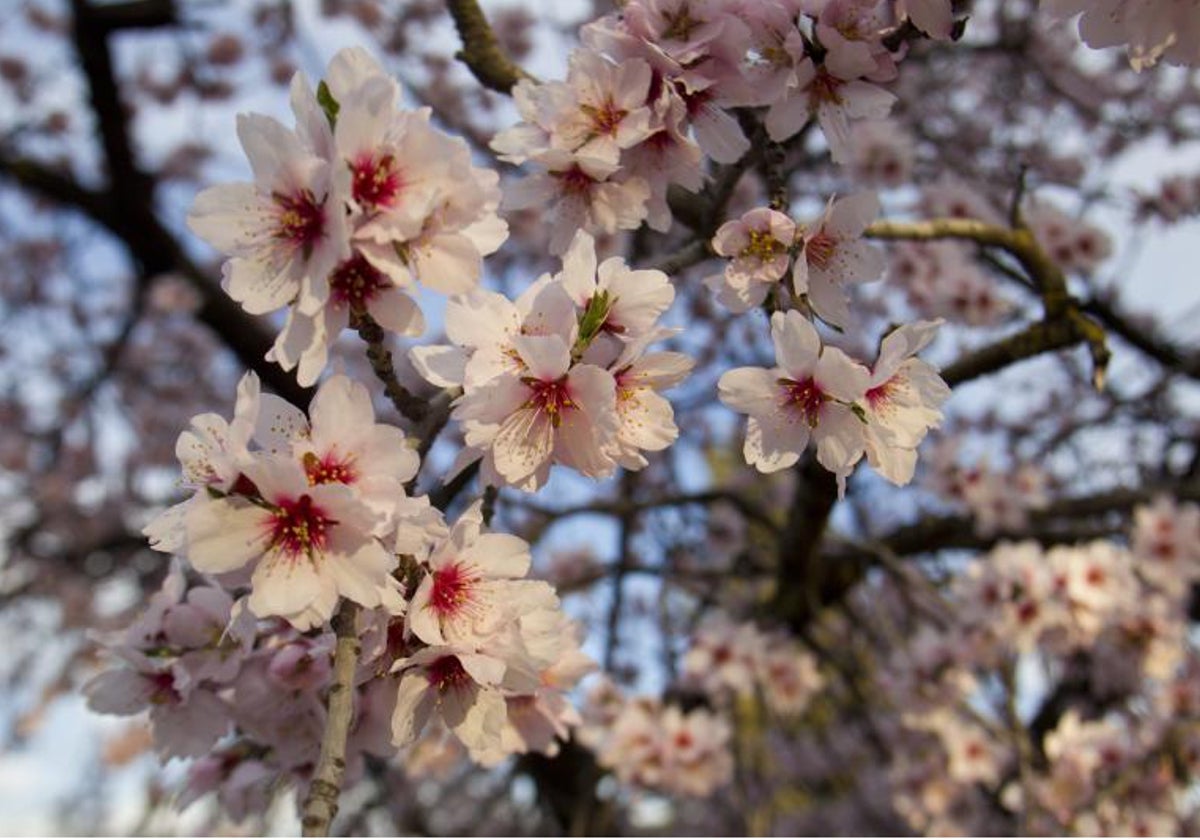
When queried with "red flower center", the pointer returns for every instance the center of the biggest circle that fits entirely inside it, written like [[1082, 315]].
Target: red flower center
[[552, 396], [819, 249], [329, 469], [575, 181], [376, 182], [807, 396], [446, 672], [301, 220], [299, 527], [452, 589], [355, 283]]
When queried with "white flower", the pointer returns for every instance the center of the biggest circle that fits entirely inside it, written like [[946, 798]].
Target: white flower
[[807, 396], [283, 233], [834, 254], [903, 401]]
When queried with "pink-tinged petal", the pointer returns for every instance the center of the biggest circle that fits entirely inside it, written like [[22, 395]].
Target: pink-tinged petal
[[772, 445], [662, 369], [223, 535], [840, 376], [835, 125], [191, 728], [118, 692], [311, 125], [279, 425], [523, 444], [895, 463], [865, 101], [547, 356], [362, 573], [481, 318], [840, 439], [422, 619], [341, 412], [786, 118], [482, 723], [493, 402], [230, 217], [259, 287], [388, 452], [415, 701], [499, 555], [439, 364], [396, 312], [902, 343], [167, 532], [828, 299], [278, 476], [851, 214], [301, 346], [578, 277], [286, 586], [933, 17], [750, 390], [797, 344], [449, 263], [647, 421], [719, 134], [485, 670], [269, 146]]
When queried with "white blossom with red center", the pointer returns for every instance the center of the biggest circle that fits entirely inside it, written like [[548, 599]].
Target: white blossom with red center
[[459, 685], [807, 397], [834, 254], [903, 401], [555, 412], [308, 545], [470, 584], [283, 233]]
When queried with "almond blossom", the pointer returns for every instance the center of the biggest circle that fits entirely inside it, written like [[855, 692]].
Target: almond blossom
[[834, 254], [808, 396], [760, 245], [902, 402]]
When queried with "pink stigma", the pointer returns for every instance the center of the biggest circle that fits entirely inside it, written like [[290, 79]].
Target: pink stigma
[[329, 470], [807, 396], [550, 396], [452, 586]]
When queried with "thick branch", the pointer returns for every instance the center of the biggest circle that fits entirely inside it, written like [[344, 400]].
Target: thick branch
[[321, 803]]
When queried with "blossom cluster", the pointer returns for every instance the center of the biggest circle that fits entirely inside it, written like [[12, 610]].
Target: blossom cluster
[[347, 211], [562, 375], [817, 394], [658, 746], [728, 660], [1104, 616], [654, 87], [764, 245], [1000, 501]]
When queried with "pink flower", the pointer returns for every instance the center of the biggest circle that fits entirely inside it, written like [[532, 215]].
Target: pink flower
[[834, 253], [807, 397], [760, 243], [556, 412]]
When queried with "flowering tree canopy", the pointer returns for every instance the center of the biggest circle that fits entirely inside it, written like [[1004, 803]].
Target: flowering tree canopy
[[702, 416]]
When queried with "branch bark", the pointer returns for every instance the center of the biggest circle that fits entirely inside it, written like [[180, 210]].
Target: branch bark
[[321, 803]]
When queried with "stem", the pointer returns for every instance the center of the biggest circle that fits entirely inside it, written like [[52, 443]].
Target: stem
[[321, 803]]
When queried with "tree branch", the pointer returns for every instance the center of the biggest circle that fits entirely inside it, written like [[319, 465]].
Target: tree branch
[[481, 51], [321, 803]]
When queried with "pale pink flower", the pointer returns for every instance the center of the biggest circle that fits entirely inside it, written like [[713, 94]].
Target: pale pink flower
[[578, 192], [470, 584], [647, 421], [556, 412], [308, 544], [883, 153], [834, 253], [285, 231], [760, 244], [460, 686], [807, 397], [903, 401]]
